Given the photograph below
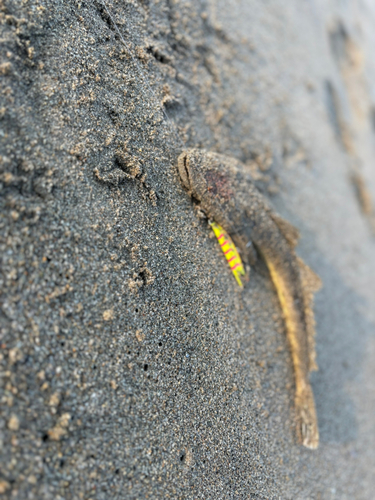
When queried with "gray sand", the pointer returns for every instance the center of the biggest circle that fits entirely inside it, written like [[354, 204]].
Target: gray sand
[[132, 366]]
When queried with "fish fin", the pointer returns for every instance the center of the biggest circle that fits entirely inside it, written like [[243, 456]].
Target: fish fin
[[290, 233], [311, 283]]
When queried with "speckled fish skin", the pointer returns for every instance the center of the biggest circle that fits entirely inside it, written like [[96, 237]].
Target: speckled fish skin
[[227, 195]]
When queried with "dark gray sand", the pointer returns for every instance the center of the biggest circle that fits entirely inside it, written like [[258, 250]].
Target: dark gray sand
[[132, 366]]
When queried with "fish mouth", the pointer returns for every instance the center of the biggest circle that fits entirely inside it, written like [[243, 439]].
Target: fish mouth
[[183, 169]]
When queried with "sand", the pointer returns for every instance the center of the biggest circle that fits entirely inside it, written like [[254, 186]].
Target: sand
[[132, 365]]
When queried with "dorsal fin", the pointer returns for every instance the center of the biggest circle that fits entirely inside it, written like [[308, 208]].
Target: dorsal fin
[[311, 283], [290, 232]]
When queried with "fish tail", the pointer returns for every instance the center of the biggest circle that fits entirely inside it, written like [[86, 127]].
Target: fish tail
[[300, 331], [306, 417]]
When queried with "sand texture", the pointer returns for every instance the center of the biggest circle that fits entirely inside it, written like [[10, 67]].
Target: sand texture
[[132, 366]]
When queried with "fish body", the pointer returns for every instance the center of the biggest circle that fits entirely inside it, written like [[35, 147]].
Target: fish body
[[226, 193]]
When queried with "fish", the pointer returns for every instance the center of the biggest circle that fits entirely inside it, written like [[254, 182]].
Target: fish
[[225, 192]]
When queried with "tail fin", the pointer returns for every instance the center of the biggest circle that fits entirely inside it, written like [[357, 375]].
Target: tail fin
[[307, 420]]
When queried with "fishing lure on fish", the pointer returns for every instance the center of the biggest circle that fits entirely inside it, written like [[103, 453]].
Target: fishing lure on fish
[[230, 251]]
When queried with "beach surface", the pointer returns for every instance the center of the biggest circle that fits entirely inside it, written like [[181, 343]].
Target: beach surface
[[132, 365]]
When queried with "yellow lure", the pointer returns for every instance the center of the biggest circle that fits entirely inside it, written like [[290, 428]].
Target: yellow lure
[[230, 252]]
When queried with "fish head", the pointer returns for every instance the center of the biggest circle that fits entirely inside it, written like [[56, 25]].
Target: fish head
[[204, 175]]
